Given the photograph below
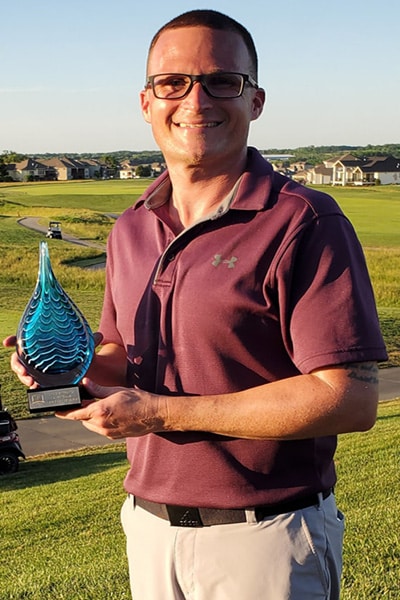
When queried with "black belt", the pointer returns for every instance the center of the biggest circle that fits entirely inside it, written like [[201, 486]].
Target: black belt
[[189, 516]]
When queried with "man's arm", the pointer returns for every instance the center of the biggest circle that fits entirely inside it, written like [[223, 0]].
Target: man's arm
[[109, 366], [328, 401]]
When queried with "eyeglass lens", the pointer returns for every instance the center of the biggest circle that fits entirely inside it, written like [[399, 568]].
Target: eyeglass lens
[[219, 85]]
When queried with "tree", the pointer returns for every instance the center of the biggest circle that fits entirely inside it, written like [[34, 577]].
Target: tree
[[4, 176], [143, 171], [110, 160], [9, 157]]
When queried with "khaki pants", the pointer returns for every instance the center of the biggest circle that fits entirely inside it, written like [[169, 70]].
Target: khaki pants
[[293, 556]]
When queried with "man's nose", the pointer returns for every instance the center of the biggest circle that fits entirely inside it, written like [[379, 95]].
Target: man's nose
[[198, 95]]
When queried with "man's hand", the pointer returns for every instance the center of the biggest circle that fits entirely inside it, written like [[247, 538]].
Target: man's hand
[[20, 370], [16, 364], [119, 412]]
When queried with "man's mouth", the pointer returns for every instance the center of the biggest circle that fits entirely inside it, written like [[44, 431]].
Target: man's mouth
[[197, 125]]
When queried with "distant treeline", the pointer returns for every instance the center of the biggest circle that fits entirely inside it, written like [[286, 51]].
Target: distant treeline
[[311, 154], [143, 157], [316, 154]]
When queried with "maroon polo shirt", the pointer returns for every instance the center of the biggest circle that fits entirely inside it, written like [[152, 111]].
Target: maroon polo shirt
[[273, 284]]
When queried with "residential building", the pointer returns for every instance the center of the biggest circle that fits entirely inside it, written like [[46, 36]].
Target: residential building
[[127, 170], [72, 168], [319, 175], [55, 169], [382, 169], [31, 169], [350, 170]]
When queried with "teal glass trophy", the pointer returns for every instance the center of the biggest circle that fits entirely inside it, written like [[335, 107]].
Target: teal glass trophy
[[54, 343]]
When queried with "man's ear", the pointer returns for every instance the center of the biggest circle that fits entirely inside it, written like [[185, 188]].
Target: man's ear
[[145, 105], [258, 103]]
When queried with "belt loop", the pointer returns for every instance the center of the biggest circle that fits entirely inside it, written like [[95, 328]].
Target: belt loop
[[251, 516]]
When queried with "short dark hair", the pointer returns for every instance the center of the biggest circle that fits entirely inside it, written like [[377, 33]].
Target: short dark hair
[[214, 20]]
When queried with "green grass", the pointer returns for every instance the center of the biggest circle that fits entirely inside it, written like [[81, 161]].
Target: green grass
[[62, 540], [374, 212], [61, 537], [111, 196], [369, 481]]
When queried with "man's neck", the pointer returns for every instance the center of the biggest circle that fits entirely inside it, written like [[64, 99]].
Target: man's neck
[[197, 193]]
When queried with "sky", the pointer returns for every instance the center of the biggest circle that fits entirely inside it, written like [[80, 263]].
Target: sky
[[71, 72]]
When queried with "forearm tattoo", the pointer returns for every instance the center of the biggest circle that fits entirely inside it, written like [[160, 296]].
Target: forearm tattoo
[[366, 372]]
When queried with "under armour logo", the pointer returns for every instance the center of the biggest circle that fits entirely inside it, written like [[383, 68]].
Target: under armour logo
[[218, 260]]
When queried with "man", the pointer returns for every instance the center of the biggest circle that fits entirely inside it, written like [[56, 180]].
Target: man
[[240, 336]]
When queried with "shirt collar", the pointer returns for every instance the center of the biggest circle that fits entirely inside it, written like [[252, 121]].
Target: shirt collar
[[251, 191]]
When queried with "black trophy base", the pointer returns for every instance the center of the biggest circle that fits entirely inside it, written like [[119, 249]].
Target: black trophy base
[[51, 399]]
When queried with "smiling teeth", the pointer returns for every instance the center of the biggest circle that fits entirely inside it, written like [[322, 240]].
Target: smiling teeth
[[197, 125]]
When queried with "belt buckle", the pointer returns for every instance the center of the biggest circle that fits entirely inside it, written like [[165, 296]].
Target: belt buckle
[[184, 516]]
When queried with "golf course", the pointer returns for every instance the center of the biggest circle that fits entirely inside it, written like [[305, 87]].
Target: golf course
[[61, 538]]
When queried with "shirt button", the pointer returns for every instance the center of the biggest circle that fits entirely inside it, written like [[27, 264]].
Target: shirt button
[[171, 257]]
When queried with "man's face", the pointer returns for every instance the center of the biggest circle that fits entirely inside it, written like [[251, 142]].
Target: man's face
[[198, 130]]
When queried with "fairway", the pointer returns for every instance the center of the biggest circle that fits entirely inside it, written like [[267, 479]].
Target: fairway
[[374, 212], [108, 196]]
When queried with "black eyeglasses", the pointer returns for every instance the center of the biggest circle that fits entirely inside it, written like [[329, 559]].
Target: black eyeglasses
[[173, 86]]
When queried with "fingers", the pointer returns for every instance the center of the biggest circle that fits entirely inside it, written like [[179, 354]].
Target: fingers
[[21, 372], [88, 406], [96, 417], [98, 338], [77, 414], [16, 365], [98, 391], [117, 413], [9, 341]]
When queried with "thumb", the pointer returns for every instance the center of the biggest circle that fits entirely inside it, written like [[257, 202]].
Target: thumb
[[98, 391], [9, 341], [98, 338]]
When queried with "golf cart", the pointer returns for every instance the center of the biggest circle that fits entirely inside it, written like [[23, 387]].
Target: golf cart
[[54, 230], [10, 447]]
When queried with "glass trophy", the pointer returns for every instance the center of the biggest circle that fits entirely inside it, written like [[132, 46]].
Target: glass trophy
[[54, 343]]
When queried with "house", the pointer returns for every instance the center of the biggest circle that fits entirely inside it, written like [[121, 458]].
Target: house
[[385, 169], [157, 168], [329, 162], [31, 169], [94, 168], [127, 170], [322, 174], [73, 168], [280, 168], [343, 170], [300, 166], [319, 175], [53, 169], [350, 170]]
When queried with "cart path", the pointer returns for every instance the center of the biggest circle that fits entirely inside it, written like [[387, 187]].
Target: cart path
[[33, 223]]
